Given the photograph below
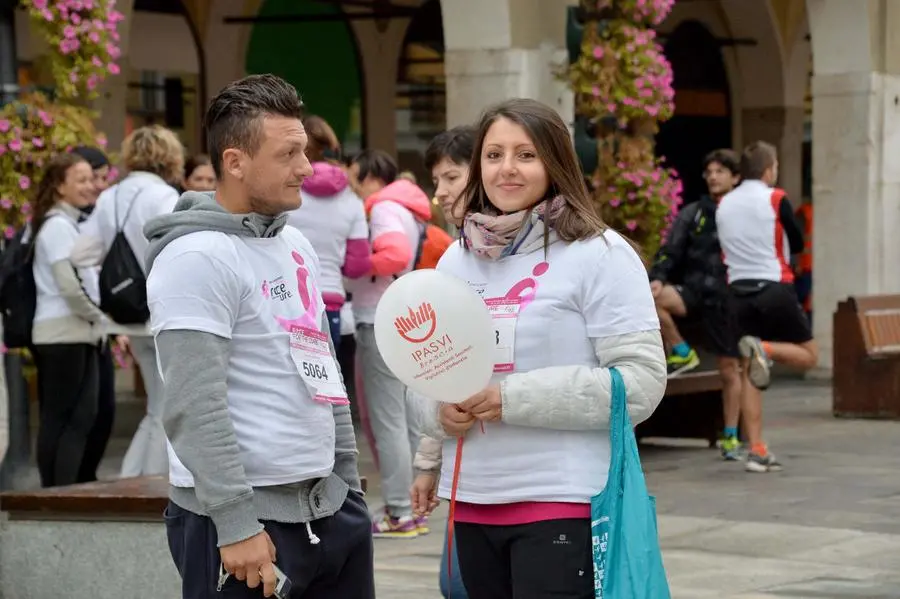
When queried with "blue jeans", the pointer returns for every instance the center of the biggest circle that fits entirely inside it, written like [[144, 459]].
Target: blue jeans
[[451, 585], [334, 324]]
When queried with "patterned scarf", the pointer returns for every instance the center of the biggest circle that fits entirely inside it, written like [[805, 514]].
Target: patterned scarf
[[522, 232]]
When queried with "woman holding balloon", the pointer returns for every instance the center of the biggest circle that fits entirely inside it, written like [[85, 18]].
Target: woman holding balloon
[[568, 300], [447, 157]]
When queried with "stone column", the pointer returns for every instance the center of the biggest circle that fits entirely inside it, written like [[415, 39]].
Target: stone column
[[112, 102], [380, 51], [479, 78], [856, 190]]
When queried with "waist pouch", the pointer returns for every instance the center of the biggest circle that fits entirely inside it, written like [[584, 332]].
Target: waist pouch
[[749, 287]]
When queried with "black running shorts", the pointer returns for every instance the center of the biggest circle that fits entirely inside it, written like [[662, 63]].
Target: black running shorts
[[768, 310]]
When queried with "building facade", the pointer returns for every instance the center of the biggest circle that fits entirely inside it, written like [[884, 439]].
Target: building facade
[[820, 79]]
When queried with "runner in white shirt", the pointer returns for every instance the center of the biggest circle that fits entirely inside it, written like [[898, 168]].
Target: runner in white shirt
[[262, 450], [758, 235], [535, 248]]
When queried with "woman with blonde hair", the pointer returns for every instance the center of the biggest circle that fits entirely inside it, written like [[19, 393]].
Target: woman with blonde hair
[[154, 160], [532, 239], [68, 326]]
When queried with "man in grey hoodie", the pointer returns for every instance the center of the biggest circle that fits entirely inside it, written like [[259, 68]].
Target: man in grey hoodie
[[263, 459]]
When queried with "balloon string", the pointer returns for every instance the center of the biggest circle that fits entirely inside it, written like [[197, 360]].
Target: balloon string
[[452, 515]]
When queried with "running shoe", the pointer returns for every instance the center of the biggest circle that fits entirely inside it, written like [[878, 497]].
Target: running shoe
[[678, 365], [731, 448], [760, 463], [422, 525], [395, 528], [760, 370]]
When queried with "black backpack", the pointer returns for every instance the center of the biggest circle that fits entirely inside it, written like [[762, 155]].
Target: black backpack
[[18, 293], [123, 285]]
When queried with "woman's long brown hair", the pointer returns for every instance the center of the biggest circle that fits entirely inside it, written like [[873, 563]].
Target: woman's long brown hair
[[579, 218], [46, 195]]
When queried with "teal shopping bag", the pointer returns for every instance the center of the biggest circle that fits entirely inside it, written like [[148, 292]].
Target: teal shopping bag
[[627, 561]]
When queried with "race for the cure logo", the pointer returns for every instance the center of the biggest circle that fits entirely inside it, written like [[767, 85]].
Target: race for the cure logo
[[277, 289], [418, 326]]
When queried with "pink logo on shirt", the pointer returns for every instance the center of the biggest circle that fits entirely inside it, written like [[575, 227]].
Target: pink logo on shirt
[[306, 287], [526, 289]]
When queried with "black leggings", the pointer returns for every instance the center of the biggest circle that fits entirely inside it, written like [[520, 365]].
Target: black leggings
[[68, 384], [527, 561], [100, 433]]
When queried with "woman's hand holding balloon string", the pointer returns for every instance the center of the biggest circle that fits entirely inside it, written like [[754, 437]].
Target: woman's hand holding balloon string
[[455, 421], [486, 406]]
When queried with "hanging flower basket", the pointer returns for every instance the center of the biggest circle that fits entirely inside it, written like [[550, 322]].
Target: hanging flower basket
[[649, 13], [32, 131], [84, 42], [638, 195], [622, 71]]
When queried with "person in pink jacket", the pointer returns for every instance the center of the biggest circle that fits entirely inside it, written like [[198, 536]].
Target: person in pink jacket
[[332, 218], [395, 212]]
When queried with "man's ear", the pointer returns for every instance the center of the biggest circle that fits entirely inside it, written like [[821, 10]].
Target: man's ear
[[233, 163]]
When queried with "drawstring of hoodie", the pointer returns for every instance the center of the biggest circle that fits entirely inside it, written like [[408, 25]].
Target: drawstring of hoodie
[[313, 539]]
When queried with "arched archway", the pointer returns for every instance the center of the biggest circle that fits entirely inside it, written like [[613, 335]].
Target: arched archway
[[702, 120], [319, 57], [421, 103]]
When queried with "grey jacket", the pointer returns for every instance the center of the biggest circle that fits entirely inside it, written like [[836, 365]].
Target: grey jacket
[[195, 411]]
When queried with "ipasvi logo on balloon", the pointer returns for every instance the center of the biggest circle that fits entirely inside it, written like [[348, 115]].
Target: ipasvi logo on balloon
[[418, 327]]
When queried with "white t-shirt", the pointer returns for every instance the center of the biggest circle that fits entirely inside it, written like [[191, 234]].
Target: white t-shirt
[[145, 195], [581, 291], [248, 290], [328, 223], [53, 244], [751, 233]]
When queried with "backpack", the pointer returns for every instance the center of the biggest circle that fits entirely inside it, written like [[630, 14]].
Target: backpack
[[123, 285], [18, 292], [433, 242]]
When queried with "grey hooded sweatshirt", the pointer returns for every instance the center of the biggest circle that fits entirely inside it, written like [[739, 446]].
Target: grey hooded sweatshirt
[[195, 411]]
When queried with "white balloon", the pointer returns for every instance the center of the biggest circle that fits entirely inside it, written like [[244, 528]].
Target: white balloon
[[435, 334]]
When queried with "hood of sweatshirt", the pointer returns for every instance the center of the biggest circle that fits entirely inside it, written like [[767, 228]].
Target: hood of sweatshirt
[[326, 181], [407, 194], [198, 211]]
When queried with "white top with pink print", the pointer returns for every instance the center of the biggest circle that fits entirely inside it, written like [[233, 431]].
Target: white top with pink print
[[576, 293], [254, 292]]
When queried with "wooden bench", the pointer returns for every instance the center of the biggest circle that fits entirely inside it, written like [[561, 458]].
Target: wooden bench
[[866, 371], [691, 409], [692, 406], [129, 498]]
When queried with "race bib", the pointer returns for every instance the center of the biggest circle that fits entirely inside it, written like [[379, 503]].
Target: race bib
[[313, 359], [505, 314]]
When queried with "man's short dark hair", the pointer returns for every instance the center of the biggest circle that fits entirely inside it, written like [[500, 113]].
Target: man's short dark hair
[[94, 156], [756, 159], [233, 119], [377, 163], [457, 145], [727, 158]]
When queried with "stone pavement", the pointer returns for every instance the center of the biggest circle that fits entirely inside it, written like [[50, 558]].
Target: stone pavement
[[828, 527]]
